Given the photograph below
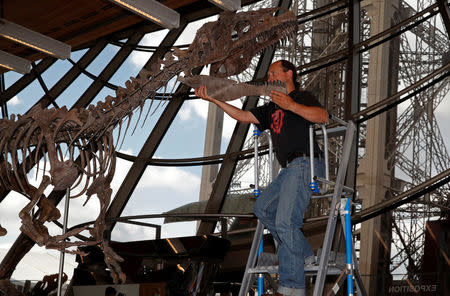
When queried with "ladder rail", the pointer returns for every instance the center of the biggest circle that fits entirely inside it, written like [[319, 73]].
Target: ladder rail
[[339, 188], [313, 184], [251, 261], [331, 225], [356, 272]]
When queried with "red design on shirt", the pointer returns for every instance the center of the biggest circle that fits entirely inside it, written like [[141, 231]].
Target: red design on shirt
[[277, 121]]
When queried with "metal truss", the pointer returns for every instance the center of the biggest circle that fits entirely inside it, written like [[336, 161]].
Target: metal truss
[[417, 151]]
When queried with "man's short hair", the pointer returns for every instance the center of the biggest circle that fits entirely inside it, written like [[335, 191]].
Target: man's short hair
[[286, 65], [110, 291]]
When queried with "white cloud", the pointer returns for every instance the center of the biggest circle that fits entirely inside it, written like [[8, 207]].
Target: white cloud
[[128, 232], [185, 113], [229, 123], [198, 107], [39, 262], [15, 101], [122, 168], [139, 58], [188, 34], [170, 178], [444, 107], [442, 116], [9, 216]]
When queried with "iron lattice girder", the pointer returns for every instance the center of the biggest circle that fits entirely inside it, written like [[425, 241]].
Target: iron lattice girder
[[437, 40], [418, 133]]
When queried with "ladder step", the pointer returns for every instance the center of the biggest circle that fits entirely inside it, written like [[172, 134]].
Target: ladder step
[[326, 195], [309, 269], [331, 270], [264, 269]]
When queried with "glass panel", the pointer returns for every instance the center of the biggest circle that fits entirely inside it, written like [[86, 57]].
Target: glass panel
[[75, 90], [56, 72], [25, 99], [100, 62]]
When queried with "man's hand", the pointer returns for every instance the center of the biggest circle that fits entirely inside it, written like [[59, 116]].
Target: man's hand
[[311, 113], [282, 100], [202, 93]]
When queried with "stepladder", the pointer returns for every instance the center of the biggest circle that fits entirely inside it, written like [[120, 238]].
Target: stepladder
[[343, 266]]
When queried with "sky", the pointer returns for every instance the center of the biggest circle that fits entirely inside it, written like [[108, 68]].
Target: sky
[[160, 188]]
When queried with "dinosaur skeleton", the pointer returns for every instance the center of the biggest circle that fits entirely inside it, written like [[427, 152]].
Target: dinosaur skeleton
[[228, 45]]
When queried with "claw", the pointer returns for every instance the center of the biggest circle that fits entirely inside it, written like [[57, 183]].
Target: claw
[[3, 231]]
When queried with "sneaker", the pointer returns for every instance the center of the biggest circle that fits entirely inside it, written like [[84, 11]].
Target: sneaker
[[310, 260]]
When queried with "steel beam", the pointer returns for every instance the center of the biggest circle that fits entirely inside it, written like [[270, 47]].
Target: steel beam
[[352, 83], [353, 75], [120, 57], [2, 89], [43, 85], [72, 74], [137, 169], [445, 14], [25, 80]]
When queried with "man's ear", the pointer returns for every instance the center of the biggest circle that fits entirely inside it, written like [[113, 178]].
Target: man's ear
[[291, 75]]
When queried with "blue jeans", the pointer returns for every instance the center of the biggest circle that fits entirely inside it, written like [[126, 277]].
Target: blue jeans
[[280, 208]]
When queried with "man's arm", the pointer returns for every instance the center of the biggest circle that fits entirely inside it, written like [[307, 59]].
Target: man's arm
[[234, 112], [311, 113]]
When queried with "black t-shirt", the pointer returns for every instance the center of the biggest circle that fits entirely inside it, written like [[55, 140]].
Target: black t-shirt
[[289, 131]]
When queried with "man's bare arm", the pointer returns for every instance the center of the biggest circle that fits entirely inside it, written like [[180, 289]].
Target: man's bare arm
[[236, 113]]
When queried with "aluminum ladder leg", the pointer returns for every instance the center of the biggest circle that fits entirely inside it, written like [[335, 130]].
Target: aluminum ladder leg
[[331, 225]]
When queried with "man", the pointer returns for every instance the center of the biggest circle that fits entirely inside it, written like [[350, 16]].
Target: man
[[282, 204]]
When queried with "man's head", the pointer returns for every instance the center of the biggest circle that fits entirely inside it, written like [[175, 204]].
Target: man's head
[[110, 291], [283, 71]]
